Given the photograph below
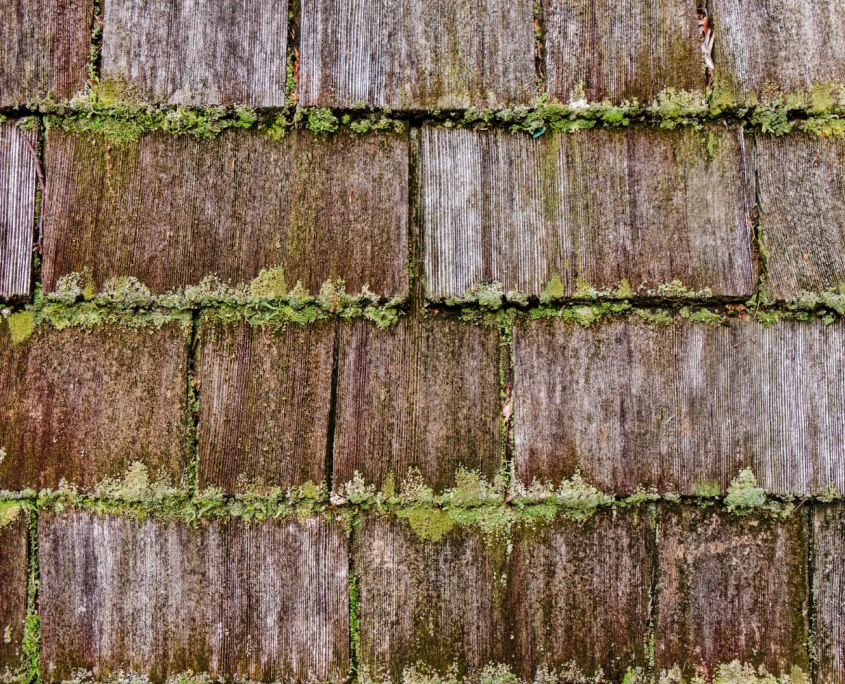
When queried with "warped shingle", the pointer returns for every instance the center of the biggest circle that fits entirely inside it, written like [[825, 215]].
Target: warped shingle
[[44, 49], [776, 44], [18, 160], [645, 205], [579, 593], [14, 571], [423, 394], [84, 404], [829, 588], [425, 604], [731, 588], [265, 403], [171, 210], [621, 50], [198, 51], [260, 601], [681, 407], [417, 54], [801, 192]]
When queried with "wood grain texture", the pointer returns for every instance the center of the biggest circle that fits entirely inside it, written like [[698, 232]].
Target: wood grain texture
[[681, 407], [579, 593], [425, 604], [170, 210], [261, 601], [17, 209], [417, 54], [647, 205], [14, 558], [621, 50], [198, 51], [44, 49], [801, 195], [829, 589], [783, 45], [423, 394], [84, 404], [729, 588], [265, 402]]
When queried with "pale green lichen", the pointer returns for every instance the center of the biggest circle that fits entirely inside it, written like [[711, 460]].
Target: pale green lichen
[[744, 494], [422, 673], [9, 511], [21, 326], [734, 672]]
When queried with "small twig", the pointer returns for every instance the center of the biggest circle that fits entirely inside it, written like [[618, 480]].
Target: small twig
[[706, 37], [42, 185]]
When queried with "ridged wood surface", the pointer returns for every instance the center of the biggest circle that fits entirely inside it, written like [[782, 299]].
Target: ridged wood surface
[[171, 210], [84, 404], [681, 407], [579, 593], [425, 604], [829, 592], [801, 194], [416, 54], [17, 209], [262, 601], [423, 394], [647, 205], [14, 539], [198, 51], [621, 50], [44, 49], [780, 45], [731, 588], [265, 399]]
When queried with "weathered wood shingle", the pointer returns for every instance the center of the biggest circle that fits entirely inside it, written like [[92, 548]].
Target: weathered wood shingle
[[731, 588], [829, 589], [265, 401], [198, 51], [682, 407], [423, 394], [801, 191], [260, 601], [17, 209], [579, 594], [646, 205], [14, 536], [623, 50], [44, 49], [84, 404], [426, 604], [416, 54], [171, 210], [781, 45]]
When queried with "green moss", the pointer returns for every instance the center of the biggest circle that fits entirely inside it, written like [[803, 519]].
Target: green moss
[[269, 284], [706, 489], [701, 316], [21, 326], [744, 494], [354, 623], [430, 524], [9, 511], [735, 673], [321, 121]]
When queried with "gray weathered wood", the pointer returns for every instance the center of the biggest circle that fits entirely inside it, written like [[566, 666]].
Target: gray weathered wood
[[423, 394], [84, 404], [829, 589], [783, 45], [198, 51], [17, 209], [265, 401], [621, 50], [579, 593], [171, 210], [417, 54], [731, 588], [426, 604], [682, 407], [647, 205], [801, 193], [260, 601], [14, 535], [44, 49]]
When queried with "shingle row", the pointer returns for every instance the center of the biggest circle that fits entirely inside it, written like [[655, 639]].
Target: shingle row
[[642, 208], [409, 54], [688, 586]]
